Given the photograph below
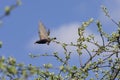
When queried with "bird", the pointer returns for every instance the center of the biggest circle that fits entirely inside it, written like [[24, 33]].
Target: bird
[[43, 35]]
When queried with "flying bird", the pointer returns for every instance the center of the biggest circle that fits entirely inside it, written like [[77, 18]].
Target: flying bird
[[43, 35]]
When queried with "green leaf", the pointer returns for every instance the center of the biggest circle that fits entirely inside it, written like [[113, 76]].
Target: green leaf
[[11, 61], [0, 44], [48, 65], [12, 69], [7, 10]]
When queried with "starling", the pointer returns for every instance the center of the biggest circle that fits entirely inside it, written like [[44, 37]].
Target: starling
[[43, 34]]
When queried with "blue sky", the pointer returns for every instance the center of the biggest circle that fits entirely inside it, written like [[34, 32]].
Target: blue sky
[[19, 31]]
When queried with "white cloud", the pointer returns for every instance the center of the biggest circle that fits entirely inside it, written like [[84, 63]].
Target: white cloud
[[67, 33]]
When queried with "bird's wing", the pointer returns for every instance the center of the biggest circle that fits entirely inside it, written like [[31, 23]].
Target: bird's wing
[[43, 34]]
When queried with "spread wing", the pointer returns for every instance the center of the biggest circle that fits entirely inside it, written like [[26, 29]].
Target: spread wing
[[43, 34]]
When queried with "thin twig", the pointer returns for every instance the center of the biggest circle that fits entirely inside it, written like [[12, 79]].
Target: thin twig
[[90, 59], [88, 52]]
